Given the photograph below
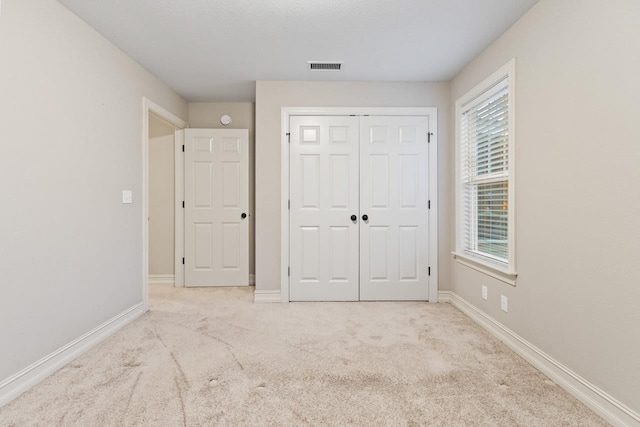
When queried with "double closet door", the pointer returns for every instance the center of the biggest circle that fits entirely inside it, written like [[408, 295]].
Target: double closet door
[[359, 215]]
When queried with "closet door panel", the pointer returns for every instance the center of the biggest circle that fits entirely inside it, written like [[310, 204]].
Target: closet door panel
[[394, 199], [323, 188]]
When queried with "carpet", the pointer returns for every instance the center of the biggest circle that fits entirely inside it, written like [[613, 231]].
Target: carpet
[[210, 357]]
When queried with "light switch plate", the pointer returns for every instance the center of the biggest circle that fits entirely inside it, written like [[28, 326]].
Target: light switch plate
[[504, 303], [127, 196], [484, 292]]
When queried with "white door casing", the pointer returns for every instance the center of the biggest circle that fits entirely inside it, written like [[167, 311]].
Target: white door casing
[[286, 248], [394, 196], [216, 196], [324, 196]]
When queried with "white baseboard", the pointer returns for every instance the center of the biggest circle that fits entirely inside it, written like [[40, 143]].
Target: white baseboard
[[162, 279], [612, 410], [252, 280], [444, 296], [17, 384], [260, 296]]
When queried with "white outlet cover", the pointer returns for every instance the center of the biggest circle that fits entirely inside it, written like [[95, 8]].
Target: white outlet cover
[[127, 196], [484, 292], [504, 303]]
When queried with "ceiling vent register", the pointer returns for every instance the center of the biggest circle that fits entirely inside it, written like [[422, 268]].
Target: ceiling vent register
[[324, 66]]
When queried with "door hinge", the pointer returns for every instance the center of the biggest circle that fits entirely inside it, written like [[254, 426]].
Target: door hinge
[[289, 204], [288, 137], [289, 271], [429, 271], [183, 204], [429, 136], [428, 204], [183, 260], [183, 148]]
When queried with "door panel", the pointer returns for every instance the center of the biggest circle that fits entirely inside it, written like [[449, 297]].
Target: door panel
[[378, 178], [216, 195], [394, 195], [409, 181], [408, 252], [378, 238], [310, 168], [203, 246], [339, 175], [324, 258], [231, 184], [231, 245], [203, 184], [339, 251]]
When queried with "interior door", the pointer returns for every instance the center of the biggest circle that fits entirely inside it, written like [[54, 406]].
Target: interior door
[[394, 189], [324, 208], [216, 207]]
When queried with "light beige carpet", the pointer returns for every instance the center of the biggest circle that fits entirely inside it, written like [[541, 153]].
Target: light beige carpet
[[205, 357]]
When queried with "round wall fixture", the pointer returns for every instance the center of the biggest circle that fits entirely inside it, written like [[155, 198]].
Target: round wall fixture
[[225, 119]]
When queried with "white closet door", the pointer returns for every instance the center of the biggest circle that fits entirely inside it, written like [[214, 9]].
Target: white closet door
[[216, 207], [394, 188], [324, 195]]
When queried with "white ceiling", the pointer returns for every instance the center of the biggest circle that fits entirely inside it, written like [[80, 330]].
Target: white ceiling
[[214, 50]]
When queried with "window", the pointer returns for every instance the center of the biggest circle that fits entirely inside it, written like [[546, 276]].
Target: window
[[485, 169]]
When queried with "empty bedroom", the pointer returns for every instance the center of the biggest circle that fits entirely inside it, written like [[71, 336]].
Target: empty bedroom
[[297, 212]]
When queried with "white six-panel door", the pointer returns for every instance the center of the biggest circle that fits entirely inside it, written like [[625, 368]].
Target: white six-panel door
[[324, 195], [216, 207], [343, 166], [394, 190]]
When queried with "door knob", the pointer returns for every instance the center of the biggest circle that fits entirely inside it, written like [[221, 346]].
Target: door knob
[[353, 217], [243, 216], [365, 217]]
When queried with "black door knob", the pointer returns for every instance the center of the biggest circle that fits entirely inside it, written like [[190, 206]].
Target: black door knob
[[353, 217], [244, 215], [365, 217]]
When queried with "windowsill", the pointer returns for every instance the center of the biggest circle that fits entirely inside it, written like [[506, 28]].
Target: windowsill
[[485, 268]]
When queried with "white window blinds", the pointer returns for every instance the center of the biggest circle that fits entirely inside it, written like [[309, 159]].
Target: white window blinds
[[484, 174]]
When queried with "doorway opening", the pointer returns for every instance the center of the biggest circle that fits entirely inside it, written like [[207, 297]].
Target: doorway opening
[[161, 201], [156, 122]]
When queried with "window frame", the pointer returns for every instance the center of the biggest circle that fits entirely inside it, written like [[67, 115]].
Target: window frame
[[505, 272]]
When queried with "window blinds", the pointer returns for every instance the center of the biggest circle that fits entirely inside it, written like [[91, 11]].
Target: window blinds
[[484, 134]]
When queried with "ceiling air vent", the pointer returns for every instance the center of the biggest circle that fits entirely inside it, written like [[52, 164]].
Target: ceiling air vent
[[324, 66]]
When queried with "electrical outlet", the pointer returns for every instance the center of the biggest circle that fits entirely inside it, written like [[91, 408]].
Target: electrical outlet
[[504, 303], [127, 196], [484, 292]]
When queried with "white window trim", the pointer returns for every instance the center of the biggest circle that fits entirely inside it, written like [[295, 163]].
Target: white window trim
[[477, 262]]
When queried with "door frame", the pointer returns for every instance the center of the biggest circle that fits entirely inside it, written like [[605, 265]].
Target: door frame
[[430, 112], [149, 106]]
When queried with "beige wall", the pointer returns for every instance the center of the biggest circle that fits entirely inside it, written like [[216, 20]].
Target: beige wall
[[271, 96], [70, 133], [578, 162], [161, 196], [207, 115]]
